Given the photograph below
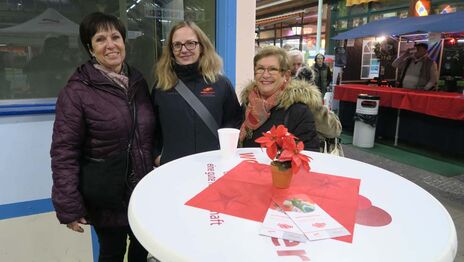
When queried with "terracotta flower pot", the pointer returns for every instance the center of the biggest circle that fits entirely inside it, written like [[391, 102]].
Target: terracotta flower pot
[[281, 175]]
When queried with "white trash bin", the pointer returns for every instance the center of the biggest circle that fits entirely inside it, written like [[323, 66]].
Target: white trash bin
[[367, 108]]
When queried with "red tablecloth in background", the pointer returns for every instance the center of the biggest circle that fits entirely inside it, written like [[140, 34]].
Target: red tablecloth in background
[[439, 104]]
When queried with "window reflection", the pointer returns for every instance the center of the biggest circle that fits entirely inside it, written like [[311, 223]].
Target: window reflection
[[40, 47]]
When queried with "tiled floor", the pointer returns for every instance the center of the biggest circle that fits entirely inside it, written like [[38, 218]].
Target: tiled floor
[[41, 238], [448, 190]]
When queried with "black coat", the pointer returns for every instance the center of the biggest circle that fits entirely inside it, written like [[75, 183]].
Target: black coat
[[299, 121], [180, 131], [307, 118]]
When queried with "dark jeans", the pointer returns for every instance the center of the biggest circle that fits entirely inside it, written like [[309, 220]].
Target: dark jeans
[[113, 245]]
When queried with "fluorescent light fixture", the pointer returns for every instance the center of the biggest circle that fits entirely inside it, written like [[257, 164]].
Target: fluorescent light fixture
[[272, 4]]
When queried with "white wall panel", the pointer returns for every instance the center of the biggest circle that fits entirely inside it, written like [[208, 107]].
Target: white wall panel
[[25, 158]]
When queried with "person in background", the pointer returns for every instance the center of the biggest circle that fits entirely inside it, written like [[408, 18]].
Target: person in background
[[49, 71], [288, 47], [296, 61], [306, 74], [322, 74], [94, 119], [416, 69], [190, 56], [274, 98]]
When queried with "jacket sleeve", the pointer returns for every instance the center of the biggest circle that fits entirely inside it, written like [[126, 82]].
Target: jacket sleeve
[[158, 136], [67, 141], [433, 77], [401, 60], [328, 124], [232, 111], [329, 76], [300, 123]]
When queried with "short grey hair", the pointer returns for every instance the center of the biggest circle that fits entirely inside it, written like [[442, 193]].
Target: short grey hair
[[295, 52]]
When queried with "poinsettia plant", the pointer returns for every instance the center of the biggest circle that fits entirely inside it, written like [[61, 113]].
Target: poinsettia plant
[[283, 148]]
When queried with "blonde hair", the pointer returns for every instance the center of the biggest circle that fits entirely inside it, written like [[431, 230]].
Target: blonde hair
[[210, 64], [278, 52]]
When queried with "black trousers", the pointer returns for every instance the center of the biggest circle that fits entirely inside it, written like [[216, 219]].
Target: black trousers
[[113, 245]]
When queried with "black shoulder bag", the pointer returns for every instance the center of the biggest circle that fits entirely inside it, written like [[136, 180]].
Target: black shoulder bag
[[199, 108], [104, 182]]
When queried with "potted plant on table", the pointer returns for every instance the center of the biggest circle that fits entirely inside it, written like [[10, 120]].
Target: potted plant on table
[[284, 149]]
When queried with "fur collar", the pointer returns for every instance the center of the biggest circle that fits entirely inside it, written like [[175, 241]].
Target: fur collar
[[296, 91]]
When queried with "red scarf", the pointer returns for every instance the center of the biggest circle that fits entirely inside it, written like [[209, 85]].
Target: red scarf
[[258, 111]]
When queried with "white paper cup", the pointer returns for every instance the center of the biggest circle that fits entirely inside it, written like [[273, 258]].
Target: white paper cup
[[228, 140]]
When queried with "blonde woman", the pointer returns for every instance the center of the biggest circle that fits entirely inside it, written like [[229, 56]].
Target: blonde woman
[[274, 98], [190, 56]]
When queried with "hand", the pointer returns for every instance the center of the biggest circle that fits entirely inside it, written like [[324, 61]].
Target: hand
[[157, 160], [75, 225]]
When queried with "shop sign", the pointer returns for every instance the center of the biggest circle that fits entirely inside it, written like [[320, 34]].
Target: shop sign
[[419, 8]]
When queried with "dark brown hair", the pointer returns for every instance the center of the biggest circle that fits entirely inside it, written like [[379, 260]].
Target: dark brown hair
[[95, 22]]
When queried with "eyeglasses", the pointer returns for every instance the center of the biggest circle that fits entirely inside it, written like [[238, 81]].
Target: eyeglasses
[[271, 70], [189, 45]]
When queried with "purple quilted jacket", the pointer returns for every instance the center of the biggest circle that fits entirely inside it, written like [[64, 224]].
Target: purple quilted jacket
[[94, 118]]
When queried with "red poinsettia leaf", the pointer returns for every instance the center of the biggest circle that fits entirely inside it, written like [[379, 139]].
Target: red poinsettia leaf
[[272, 131], [286, 155], [281, 131], [295, 168], [303, 157], [262, 140], [306, 166], [271, 151], [289, 144], [296, 161]]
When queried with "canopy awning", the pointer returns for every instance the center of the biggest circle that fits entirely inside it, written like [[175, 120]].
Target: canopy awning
[[50, 21], [36, 30], [443, 23]]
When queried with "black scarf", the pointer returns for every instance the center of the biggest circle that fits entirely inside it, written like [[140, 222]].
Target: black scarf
[[187, 72]]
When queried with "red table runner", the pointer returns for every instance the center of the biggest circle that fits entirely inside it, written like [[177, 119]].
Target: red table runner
[[246, 192], [439, 104]]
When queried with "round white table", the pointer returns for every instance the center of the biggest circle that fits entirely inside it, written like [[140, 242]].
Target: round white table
[[420, 229]]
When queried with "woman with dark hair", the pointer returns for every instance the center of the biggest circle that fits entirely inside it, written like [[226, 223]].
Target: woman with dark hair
[[104, 111], [189, 57], [322, 74]]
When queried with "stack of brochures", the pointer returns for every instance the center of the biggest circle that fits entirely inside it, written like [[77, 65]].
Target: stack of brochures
[[298, 218]]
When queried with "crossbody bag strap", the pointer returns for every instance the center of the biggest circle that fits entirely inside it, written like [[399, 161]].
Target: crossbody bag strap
[[198, 106]]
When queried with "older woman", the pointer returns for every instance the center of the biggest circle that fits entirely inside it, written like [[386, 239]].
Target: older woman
[[189, 56], [102, 113], [273, 99]]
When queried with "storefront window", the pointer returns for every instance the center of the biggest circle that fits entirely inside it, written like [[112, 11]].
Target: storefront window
[[341, 24], [40, 47], [370, 65], [266, 34], [357, 21]]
